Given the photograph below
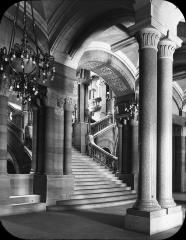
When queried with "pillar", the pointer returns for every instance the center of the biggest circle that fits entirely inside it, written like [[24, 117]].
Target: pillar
[[34, 140], [164, 140], [134, 154], [67, 136], [120, 149], [147, 215], [81, 127], [53, 148], [148, 41], [4, 179]]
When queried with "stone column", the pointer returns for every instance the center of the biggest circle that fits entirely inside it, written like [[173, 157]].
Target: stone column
[[82, 103], [34, 140], [164, 140], [54, 147], [120, 149], [148, 41], [81, 127], [134, 153], [3, 133], [4, 179], [67, 136]]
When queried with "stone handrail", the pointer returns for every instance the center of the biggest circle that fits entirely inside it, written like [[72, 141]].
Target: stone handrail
[[101, 124], [101, 156]]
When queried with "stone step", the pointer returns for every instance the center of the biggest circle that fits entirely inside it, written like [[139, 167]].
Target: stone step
[[80, 187], [28, 207], [100, 195], [90, 206], [89, 183], [90, 172], [14, 209], [89, 179], [102, 190], [25, 199], [96, 200]]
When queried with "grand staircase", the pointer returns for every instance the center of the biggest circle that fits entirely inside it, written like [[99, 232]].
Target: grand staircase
[[95, 186]]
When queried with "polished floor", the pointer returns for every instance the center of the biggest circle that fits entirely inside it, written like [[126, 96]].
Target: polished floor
[[102, 223]]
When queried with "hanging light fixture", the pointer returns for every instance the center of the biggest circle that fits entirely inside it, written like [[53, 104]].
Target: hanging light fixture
[[24, 66]]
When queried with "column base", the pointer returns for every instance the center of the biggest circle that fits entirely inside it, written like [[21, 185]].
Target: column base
[[166, 203], [53, 187], [130, 179], [148, 206], [154, 221]]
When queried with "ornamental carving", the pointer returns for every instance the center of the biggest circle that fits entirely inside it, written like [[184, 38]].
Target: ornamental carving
[[91, 65], [112, 79], [166, 49], [75, 88], [149, 38]]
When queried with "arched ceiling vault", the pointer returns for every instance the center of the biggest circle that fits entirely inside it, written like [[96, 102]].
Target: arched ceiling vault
[[116, 72]]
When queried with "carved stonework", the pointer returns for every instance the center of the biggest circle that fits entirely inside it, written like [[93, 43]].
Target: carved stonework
[[112, 79], [149, 38], [68, 100], [59, 111], [166, 49], [4, 87], [75, 88], [91, 65]]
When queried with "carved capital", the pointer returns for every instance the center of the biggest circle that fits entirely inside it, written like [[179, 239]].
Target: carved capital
[[166, 49], [149, 38], [68, 104]]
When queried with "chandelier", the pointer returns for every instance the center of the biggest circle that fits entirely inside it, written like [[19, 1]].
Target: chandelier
[[24, 65]]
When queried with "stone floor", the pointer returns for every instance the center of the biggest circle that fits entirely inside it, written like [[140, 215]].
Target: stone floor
[[102, 223]]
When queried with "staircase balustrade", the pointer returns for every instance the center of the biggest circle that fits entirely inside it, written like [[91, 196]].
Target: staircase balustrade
[[101, 124], [101, 156]]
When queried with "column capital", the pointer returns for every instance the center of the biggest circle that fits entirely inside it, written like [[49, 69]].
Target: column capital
[[166, 48], [149, 38], [68, 104]]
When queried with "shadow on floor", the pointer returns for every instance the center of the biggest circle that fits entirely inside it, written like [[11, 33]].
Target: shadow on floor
[[105, 218]]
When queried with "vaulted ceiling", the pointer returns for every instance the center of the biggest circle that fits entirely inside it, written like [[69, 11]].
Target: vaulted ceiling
[[64, 26]]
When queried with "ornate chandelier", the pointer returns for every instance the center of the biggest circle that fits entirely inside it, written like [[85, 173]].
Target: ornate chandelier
[[24, 66]]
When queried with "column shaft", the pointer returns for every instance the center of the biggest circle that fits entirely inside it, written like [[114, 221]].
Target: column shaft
[[3, 133], [146, 200], [67, 137], [120, 148], [134, 146], [164, 147], [34, 140]]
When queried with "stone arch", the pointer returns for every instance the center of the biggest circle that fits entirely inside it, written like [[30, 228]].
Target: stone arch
[[117, 71]]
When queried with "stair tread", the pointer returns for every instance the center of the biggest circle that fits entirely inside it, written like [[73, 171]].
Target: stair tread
[[95, 200]]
